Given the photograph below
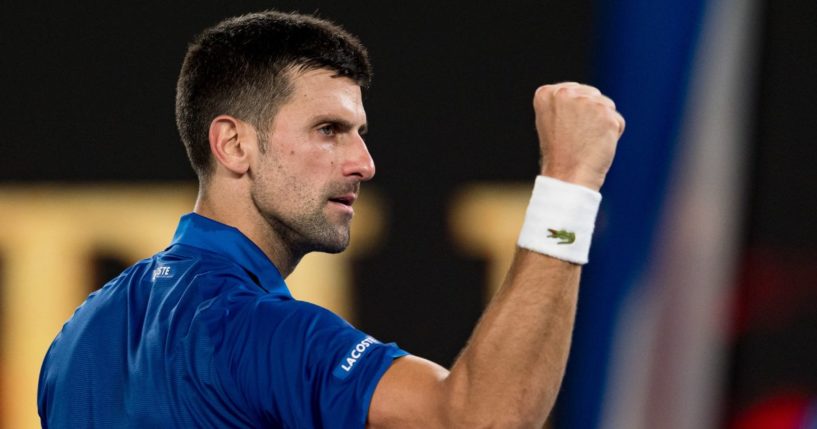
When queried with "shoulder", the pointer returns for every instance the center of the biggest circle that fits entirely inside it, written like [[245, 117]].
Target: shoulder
[[115, 289], [305, 333], [295, 316]]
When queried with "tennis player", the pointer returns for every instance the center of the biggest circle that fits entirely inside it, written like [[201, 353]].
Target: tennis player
[[206, 334]]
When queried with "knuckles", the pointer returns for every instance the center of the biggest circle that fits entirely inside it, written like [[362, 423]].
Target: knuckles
[[585, 98], [541, 95], [566, 92]]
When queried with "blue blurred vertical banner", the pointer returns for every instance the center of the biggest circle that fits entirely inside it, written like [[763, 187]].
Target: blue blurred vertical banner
[[648, 344]]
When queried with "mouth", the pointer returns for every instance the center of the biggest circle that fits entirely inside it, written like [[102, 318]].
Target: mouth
[[345, 200]]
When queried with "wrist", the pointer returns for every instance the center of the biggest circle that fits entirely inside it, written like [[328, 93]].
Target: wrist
[[589, 180], [560, 219], [592, 182]]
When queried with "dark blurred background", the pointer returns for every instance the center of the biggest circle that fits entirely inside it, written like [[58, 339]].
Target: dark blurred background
[[88, 97]]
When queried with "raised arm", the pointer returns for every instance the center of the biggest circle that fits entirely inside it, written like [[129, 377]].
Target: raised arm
[[509, 373]]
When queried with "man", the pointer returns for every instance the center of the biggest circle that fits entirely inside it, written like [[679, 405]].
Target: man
[[206, 334]]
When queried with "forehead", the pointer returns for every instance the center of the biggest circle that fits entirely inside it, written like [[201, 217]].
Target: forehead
[[322, 93]]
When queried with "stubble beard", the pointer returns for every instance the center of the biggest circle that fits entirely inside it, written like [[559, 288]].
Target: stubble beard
[[306, 229], [319, 234]]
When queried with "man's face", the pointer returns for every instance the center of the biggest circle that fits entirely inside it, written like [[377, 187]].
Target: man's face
[[315, 159]]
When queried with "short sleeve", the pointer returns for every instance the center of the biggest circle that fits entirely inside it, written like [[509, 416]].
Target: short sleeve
[[310, 368]]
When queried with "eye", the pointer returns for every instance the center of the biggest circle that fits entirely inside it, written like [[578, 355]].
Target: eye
[[328, 130]]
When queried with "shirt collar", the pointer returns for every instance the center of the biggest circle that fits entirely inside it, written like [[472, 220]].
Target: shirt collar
[[204, 233]]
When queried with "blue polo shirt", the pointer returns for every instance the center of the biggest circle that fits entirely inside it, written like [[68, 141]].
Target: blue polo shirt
[[206, 334]]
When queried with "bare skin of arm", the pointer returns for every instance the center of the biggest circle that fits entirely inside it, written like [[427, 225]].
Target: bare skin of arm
[[510, 371]]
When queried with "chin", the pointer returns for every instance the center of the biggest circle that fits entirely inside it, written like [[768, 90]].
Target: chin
[[332, 248], [333, 243]]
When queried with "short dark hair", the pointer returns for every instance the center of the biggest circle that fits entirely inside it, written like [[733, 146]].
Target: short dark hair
[[243, 67]]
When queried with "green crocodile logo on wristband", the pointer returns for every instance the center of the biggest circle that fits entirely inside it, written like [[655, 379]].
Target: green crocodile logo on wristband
[[567, 237]]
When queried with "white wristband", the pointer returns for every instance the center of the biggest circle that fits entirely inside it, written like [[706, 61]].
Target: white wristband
[[560, 219]]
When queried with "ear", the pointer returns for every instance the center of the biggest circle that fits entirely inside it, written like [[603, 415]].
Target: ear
[[231, 142]]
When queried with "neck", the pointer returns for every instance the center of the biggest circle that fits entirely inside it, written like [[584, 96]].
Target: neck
[[239, 212]]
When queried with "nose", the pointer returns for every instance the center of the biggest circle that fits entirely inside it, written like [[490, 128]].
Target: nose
[[359, 162]]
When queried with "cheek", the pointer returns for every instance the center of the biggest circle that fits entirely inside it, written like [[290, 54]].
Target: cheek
[[300, 180], [301, 171], [318, 164]]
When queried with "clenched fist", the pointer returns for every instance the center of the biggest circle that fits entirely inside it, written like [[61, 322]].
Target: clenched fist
[[578, 131]]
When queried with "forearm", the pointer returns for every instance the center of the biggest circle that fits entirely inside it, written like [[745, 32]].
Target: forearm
[[509, 373], [514, 363]]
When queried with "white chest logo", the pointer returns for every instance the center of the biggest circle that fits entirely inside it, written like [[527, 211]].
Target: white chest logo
[[161, 273]]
